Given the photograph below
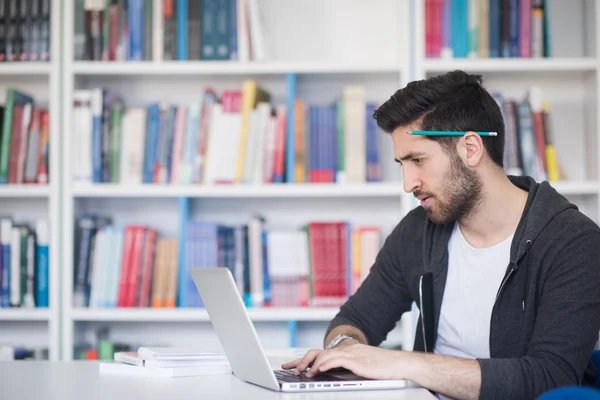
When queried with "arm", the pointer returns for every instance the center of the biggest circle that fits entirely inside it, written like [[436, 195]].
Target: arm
[[381, 299], [345, 330], [565, 331], [441, 374]]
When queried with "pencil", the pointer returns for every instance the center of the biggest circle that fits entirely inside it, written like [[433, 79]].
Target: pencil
[[451, 133]]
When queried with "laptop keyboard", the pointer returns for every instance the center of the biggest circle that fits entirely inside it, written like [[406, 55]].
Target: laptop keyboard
[[288, 376]]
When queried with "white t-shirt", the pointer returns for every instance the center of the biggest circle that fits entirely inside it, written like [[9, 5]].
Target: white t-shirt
[[474, 276]]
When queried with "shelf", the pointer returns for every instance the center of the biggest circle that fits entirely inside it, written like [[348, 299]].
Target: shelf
[[32, 190], [240, 191], [25, 68], [178, 68], [511, 64], [577, 188], [23, 314], [198, 315]]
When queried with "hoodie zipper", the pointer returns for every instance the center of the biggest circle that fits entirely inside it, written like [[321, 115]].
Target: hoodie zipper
[[502, 285], [422, 312]]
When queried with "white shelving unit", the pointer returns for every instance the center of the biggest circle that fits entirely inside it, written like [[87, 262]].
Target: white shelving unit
[[569, 81], [38, 327], [322, 69]]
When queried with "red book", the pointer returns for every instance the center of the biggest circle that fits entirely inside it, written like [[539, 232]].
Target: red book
[[15, 142], [125, 265], [136, 266], [279, 165], [149, 247]]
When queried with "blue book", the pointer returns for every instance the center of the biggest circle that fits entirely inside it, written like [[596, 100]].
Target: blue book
[[233, 30], [135, 16], [151, 142], [5, 237], [515, 11], [182, 30], [333, 137], [183, 260], [460, 28], [97, 104], [266, 277], [290, 142], [42, 265], [495, 28]]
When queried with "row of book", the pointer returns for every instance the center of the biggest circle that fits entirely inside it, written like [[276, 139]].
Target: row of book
[[9, 352], [123, 30], [529, 147], [23, 264], [486, 28], [24, 146], [239, 137], [24, 30], [132, 266]]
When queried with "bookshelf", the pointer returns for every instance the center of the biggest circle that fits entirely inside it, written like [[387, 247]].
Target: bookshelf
[[37, 328], [379, 45], [321, 70]]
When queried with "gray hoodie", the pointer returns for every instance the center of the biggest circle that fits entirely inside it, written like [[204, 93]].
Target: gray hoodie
[[546, 317]]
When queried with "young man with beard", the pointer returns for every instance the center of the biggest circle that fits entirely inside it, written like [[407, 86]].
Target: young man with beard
[[513, 266]]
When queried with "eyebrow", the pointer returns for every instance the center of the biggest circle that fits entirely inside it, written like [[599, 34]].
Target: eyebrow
[[409, 156]]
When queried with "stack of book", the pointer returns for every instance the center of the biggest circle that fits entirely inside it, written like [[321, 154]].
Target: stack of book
[[170, 362]]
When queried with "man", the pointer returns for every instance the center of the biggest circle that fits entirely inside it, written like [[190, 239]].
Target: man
[[513, 266]]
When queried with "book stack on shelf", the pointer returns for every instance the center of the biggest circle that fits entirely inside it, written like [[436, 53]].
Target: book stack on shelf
[[120, 30], [529, 144], [23, 264], [487, 29], [239, 137], [24, 147], [132, 266], [25, 33]]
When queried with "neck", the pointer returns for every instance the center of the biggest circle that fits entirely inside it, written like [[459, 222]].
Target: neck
[[497, 215]]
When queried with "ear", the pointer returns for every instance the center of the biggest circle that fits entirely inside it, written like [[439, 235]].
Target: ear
[[471, 149]]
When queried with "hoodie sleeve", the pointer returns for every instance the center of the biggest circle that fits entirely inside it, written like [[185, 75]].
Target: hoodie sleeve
[[565, 332], [383, 296]]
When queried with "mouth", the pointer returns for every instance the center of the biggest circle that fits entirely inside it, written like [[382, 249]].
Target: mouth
[[425, 201]]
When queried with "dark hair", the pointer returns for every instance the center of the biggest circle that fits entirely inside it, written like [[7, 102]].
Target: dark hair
[[455, 101]]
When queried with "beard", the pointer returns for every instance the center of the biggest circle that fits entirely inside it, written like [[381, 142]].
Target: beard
[[459, 197]]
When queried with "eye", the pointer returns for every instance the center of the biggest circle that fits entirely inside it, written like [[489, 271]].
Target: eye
[[417, 161]]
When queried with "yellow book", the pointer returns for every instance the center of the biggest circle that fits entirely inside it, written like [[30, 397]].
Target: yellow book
[[300, 151], [251, 95], [551, 157]]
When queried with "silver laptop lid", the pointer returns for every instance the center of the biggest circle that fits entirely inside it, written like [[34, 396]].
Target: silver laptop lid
[[234, 328]]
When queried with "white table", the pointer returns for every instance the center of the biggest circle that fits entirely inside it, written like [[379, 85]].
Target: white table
[[70, 380]]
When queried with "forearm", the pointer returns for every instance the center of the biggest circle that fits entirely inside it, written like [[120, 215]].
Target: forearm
[[451, 376], [346, 330]]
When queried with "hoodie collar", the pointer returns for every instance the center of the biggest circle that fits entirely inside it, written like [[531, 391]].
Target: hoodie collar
[[543, 204]]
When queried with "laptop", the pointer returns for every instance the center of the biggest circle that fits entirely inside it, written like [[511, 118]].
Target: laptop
[[242, 347]]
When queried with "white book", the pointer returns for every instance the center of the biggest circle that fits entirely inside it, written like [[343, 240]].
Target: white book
[[114, 367], [355, 133], [264, 116], [132, 145], [178, 353], [158, 31], [243, 31], [133, 358], [257, 36], [81, 145]]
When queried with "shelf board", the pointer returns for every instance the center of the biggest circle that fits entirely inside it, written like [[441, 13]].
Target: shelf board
[[198, 315], [511, 64], [24, 314], [577, 187], [240, 191], [25, 68], [178, 68], [32, 190]]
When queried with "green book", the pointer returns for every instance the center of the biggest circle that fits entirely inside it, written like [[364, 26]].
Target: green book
[[13, 97], [116, 118]]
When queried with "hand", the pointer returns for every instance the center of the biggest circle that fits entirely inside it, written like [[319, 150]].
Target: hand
[[365, 361], [301, 364]]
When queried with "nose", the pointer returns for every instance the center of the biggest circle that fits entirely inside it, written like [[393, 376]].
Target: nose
[[410, 179]]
